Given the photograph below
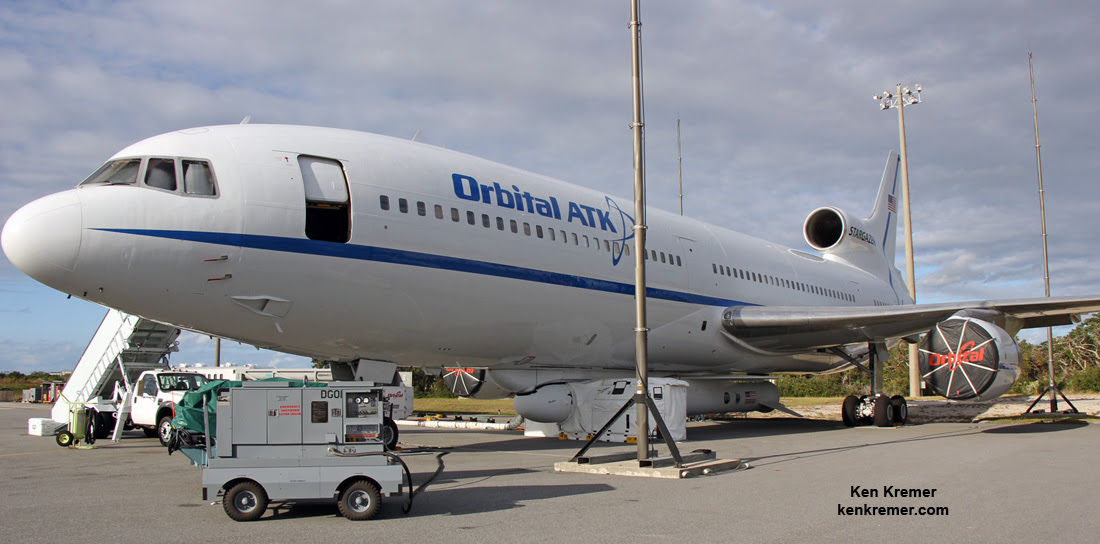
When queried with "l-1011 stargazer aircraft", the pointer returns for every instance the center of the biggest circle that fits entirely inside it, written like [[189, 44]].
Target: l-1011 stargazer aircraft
[[374, 251]]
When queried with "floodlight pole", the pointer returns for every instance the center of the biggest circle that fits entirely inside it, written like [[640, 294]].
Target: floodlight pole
[[640, 330], [904, 97]]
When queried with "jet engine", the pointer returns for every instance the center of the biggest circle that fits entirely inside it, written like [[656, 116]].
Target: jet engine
[[472, 383], [968, 359], [830, 230]]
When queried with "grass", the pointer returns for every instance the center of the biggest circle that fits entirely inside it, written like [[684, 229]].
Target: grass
[[464, 406]]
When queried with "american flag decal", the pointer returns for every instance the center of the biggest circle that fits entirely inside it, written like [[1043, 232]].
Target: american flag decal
[[892, 203]]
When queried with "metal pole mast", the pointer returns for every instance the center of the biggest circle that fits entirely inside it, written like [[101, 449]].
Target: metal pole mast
[[640, 329], [1043, 216], [680, 166], [899, 101]]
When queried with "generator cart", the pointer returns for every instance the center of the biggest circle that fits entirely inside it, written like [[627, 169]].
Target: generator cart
[[276, 441]]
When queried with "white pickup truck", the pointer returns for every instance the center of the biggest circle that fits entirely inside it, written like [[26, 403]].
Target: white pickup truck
[[154, 394]]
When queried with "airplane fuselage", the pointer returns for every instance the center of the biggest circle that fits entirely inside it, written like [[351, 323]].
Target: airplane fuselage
[[424, 257]]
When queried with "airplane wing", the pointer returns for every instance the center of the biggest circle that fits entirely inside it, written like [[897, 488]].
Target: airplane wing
[[800, 329]]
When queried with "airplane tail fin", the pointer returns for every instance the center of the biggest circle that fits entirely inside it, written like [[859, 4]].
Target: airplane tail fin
[[884, 217]]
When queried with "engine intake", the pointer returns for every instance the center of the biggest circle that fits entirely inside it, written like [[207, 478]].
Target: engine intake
[[968, 359]]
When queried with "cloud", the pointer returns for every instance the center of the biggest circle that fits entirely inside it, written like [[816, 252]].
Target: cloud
[[774, 101]]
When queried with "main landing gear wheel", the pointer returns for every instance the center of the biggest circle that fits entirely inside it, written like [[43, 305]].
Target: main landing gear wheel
[[880, 410], [883, 412], [359, 501], [848, 411], [901, 409], [245, 501]]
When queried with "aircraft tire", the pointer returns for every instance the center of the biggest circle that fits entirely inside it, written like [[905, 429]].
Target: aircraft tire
[[901, 409], [848, 411], [883, 412]]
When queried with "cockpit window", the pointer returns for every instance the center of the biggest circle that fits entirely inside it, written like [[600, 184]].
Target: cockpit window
[[197, 178], [161, 173], [116, 172]]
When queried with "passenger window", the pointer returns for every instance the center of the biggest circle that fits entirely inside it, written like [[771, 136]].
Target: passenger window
[[471, 218], [198, 179], [575, 241], [485, 221], [438, 211], [384, 203], [564, 237], [606, 246], [403, 205], [421, 209], [500, 223], [514, 225], [161, 174], [538, 231], [662, 256], [552, 239], [678, 261], [117, 172], [527, 229], [454, 215]]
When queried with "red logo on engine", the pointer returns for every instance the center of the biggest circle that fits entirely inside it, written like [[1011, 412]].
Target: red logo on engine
[[966, 354]]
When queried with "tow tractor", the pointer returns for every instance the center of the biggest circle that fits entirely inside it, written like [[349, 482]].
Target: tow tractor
[[286, 440]]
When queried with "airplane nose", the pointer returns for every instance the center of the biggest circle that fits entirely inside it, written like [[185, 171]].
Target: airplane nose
[[43, 238]]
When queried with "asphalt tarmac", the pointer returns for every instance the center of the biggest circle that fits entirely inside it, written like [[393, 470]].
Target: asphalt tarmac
[[808, 481]]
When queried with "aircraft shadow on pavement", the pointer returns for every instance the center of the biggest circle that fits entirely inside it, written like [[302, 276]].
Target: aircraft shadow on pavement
[[1036, 427]]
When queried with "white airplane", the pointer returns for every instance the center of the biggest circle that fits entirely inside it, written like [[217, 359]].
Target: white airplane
[[374, 251]]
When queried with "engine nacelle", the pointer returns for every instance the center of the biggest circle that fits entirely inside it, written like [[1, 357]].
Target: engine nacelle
[[472, 383], [554, 403], [968, 359], [830, 230], [551, 403]]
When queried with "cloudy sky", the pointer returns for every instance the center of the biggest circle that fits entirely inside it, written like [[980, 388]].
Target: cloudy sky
[[774, 98]]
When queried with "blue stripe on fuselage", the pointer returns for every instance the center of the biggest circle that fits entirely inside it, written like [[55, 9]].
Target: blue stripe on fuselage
[[424, 260]]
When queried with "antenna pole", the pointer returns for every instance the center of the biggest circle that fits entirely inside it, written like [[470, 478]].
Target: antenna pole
[[680, 166], [1051, 387]]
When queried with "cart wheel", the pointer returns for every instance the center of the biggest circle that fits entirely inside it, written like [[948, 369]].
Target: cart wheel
[[389, 434], [245, 501], [65, 439], [360, 501]]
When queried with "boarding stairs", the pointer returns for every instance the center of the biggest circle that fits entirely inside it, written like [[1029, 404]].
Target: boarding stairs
[[122, 348]]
